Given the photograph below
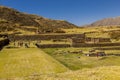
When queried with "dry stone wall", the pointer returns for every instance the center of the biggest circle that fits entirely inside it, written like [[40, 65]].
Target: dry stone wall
[[95, 45], [53, 45], [43, 37]]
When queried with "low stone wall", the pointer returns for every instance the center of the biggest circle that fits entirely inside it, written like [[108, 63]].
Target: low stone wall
[[79, 45], [4, 43], [95, 55], [43, 37], [97, 40], [95, 45], [112, 48], [53, 45], [112, 54]]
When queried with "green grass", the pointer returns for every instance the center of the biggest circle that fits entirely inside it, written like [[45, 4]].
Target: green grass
[[35, 64], [80, 61], [99, 73], [21, 62], [112, 51]]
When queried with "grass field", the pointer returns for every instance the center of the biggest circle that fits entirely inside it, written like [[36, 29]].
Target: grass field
[[58, 64], [80, 61], [99, 73], [21, 62]]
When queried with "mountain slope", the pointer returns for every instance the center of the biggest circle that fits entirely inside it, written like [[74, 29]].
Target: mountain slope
[[49, 23], [15, 16], [22, 19], [107, 22]]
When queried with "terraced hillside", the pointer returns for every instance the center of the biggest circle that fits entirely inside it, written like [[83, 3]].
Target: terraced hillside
[[23, 62], [10, 19]]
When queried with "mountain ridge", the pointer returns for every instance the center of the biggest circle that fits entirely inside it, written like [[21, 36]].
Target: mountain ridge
[[115, 21], [14, 16]]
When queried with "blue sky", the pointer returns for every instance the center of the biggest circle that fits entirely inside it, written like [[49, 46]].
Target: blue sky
[[79, 12]]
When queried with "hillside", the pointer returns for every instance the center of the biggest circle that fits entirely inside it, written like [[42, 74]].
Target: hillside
[[14, 17], [49, 23], [6, 25], [107, 22]]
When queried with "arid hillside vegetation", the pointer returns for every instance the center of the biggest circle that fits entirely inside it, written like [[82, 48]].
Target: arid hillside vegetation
[[9, 18]]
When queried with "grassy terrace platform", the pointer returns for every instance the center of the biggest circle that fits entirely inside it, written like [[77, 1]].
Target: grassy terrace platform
[[22, 62], [79, 61], [99, 73]]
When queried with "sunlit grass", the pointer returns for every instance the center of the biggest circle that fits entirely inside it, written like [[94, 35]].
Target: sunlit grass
[[24, 62], [80, 61], [99, 73]]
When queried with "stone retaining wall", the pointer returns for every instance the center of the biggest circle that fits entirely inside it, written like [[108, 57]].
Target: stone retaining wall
[[53, 45], [95, 45], [78, 45], [43, 37], [112, 48]]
